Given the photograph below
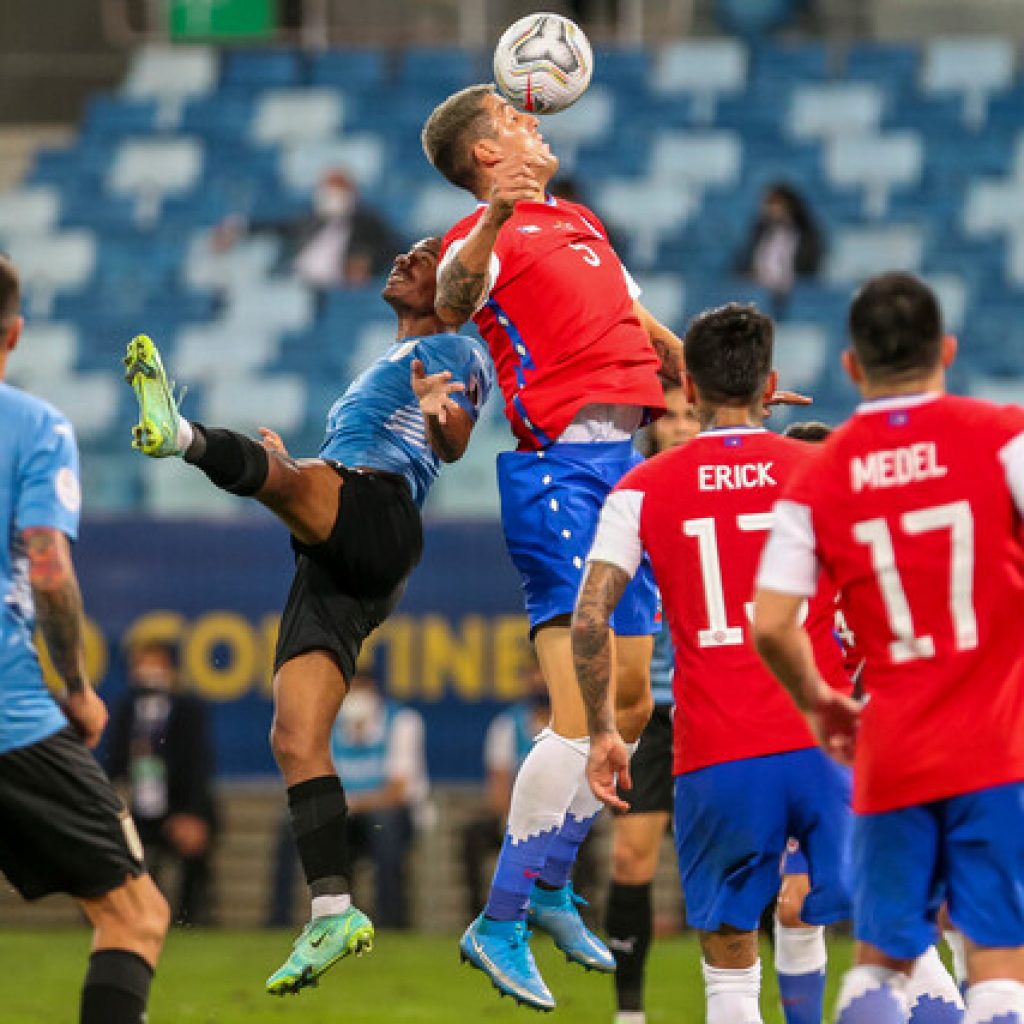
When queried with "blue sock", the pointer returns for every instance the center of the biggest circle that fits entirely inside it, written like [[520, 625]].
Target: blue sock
[[875, 1007], [562, 853], [934, 1010], [519, 866], [803, 997]]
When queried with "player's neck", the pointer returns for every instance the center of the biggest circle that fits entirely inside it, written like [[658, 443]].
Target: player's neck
[[726, 416], [933, 383], [412, 325]]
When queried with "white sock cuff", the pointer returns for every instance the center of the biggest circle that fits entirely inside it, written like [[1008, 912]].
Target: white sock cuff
[[327, 906], [955, 941], [742, 981], [930, 978], [865, 978], [799, 950], [994, 999], [184, 435]]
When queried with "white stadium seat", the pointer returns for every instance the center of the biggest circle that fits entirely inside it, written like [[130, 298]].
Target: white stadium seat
[[696, 158], [89, 399], [170, 487], [859, 253], [59, 262], [994, 207], [49, 349], [951, 291], [704, 69], [821, 111], [248, 260], [274, 305], [973, 67], [305, 163], [801, 351], [175, 72], [28, 210], [877, 163], [207, 351], [437, 208], [285, 116], [589, 120], [645, 211], [664, 295], [276, 400], [1000, 390], [156, 166]]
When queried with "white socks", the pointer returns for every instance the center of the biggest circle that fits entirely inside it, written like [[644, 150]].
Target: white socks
[[799, 950], [327, 906], [733, 995], [184, 435], [547, 782], [995, 1002], [930, 978], [884, 991], [955, 941]]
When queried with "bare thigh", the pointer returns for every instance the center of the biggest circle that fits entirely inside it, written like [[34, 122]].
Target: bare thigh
[[303, 494]]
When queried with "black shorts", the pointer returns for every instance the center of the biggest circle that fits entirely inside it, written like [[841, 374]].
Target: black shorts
[[348, 585], [651, 766], [62, 826]]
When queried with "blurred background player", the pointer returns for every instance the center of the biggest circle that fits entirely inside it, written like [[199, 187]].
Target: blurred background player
[[748, 771], [930, 489], [62, 826], [354, 517], [638, 833], [577, 359], [160, 748]]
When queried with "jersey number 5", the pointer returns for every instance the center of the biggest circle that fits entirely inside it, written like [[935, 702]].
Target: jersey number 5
[[958, 519], [589, 256]]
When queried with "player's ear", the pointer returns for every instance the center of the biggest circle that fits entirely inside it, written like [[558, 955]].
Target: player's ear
[[13, 333], [486, 152], [851, 364], [689, 390], [950, 346]]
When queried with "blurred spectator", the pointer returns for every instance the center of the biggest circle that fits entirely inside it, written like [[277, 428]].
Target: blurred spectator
[[506, 743], [784, 242], [159, 748], [342, 242], [378, 749]]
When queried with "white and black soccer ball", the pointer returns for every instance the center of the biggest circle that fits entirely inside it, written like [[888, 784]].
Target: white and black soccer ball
[[543, 63]]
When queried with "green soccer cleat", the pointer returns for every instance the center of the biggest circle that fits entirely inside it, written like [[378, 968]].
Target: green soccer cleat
[[156, 433], [323, 942]]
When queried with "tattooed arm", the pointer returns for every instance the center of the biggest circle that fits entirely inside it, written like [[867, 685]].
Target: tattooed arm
[[61, 617], [666, 345], [608, 762]]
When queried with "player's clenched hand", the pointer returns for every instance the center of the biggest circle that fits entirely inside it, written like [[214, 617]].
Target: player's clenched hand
[[836, 719], [433, 391], [608, 768], [87, 714], [515, 180]]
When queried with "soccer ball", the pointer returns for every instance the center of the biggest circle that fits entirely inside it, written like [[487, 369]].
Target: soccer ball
[[543, 63]]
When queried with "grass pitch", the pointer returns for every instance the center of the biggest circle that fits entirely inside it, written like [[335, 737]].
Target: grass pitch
[[216, 977]]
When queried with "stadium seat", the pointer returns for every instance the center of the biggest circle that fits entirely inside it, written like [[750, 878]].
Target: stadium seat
[[774, 64], [972, 67], [262, 69], [703, 70], [622, 68], [664, 295], [31, 210], [696, 159], [361, 70], [819, 111], [645, 212], [220, 349], [284, 116], [877, 164], [169, 487], [171, 72], [275, 304], [588, 121], [277, 401], [800, 356], [953, 295], [437, 208], [148, 167], [53, 263], [859, 253], [89, 399], [116, 116], [994, 207], [467, 488], [440, 69], [303, 164], [893, 65], [50, 350], [996, 389]]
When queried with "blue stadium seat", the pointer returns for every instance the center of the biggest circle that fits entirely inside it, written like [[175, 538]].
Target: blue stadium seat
[[772, 63], [442, 69], [116, 115], [625, 69], [259, 69], [361, 70], [973, 68], [893, 65], [221, 118]]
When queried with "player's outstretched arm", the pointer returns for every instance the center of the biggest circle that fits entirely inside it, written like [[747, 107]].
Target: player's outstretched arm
[[665, 343], [608, 763], [448, 424], [61, 617], [785, 648]]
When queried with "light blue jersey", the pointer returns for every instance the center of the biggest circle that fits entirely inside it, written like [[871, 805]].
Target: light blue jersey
[[377, 422], [662, 666], [39, 486]]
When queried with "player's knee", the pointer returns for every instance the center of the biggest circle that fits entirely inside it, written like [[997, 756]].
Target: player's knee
[[632, 716], [292, 748], [155, 919], [632, 864], [790, 903]]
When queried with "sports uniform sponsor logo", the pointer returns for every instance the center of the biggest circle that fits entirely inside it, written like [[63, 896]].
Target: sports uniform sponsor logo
[[896, 467], [69, 492]]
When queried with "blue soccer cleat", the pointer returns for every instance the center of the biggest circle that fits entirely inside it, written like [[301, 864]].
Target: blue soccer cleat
[[501, 950], [555, 911]]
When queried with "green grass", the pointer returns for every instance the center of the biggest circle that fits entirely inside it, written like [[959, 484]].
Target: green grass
[[217, 978]]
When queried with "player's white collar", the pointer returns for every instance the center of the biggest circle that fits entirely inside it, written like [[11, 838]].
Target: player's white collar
[[897, 402], [548, 201], [726, 431]]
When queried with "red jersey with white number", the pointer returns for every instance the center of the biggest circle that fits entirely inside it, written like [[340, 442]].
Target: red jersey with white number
[[914, 509], [559, 320], [702, 513]]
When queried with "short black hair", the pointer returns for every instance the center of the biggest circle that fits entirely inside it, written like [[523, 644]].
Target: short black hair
[[896, 327], [10, 291], [451, 131], [728, 353], [811, 431]]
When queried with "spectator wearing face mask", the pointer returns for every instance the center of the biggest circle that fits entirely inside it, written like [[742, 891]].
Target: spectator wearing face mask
[[159, 749], [784, 243], [342, 242]]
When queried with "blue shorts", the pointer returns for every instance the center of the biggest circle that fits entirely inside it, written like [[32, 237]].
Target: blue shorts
[[550, 504], [967, 850], [732, 822], [793, 860]]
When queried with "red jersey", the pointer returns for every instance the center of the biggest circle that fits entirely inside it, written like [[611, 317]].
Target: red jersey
[[559, 320], [702, 513], [914, 509]]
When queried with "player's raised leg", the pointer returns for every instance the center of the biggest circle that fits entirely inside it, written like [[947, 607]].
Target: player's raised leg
[[308, 691]]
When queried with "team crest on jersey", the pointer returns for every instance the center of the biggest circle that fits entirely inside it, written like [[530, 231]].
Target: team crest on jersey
[[528, 229], [900, 418]]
